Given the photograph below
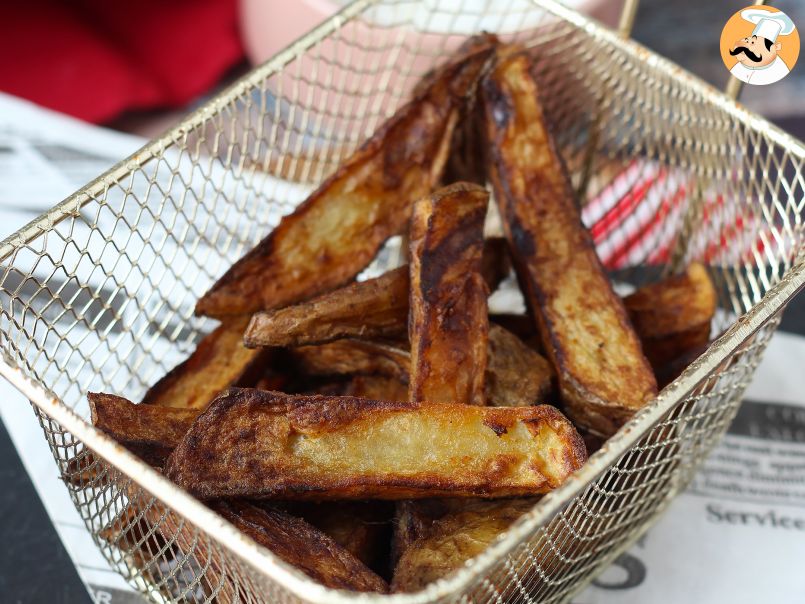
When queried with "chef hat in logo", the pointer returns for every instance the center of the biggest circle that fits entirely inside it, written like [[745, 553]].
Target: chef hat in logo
[[768, 25]]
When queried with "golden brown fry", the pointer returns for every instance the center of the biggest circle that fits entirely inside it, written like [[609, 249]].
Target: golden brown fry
[[219, 361], [360, 527], [516, 375], [148, 431], [375, 308], [354, 357], [259, 444], [443, 543], [337, 231], [673, 316], [301, 545], [448, 322], [603, 376]]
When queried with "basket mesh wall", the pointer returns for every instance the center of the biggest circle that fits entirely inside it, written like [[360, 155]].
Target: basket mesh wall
[[101, 297]]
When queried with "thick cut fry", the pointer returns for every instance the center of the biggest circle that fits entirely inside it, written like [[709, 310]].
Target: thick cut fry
[[516, 376], [220, 361], [375, 308], [603, 376], [301, 545], [673, 316], [443, 543], [363, 357], [337, 231], [448, 322], [360, 527], [148, 431], [260, 445]]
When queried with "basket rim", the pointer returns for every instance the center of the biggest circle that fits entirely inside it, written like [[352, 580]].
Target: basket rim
[[261, 559]]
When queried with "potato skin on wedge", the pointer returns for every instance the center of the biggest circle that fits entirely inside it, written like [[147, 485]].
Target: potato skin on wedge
[[448, 324], [148, 431], [443, 543], [375, 308], [301, 545], [337, 231], [603, 376], [261, 445], [673, 316], [516, 376], [219, 361]]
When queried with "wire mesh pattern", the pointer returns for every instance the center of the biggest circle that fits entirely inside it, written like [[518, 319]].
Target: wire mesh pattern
[[98, 294]]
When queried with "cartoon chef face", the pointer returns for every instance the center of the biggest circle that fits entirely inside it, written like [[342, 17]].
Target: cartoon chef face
[[755, 51]]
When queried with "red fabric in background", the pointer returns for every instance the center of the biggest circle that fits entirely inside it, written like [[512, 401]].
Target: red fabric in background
[[95, 59]]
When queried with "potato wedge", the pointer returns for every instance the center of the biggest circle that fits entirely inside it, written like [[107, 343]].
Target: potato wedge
[[350, 356], [371, 309], [516, 376], [360, 527], [219, 361], [443, 543], [149, 431], [603, 376], [261, 445], [301, 545], [337, 231], [673, 316], [448, 322]]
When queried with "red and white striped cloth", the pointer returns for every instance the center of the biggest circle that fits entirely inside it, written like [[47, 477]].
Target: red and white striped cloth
[[636, 212]]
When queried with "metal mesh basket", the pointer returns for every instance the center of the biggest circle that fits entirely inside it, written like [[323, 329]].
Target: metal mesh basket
[[98, 293]]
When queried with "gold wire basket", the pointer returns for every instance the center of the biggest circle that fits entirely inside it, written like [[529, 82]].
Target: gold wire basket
[[98, 293]]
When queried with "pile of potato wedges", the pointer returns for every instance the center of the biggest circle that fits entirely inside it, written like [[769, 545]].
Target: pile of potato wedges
[[377, 434]]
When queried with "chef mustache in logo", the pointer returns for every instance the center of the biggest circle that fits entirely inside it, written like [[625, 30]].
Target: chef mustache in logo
[[755, 58]]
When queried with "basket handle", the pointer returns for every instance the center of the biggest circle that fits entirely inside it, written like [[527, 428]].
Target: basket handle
[[626, 23]]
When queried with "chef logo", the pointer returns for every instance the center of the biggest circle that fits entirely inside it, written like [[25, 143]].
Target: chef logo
[[760, 45]]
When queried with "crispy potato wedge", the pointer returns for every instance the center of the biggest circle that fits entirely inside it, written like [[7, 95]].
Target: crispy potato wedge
[[448, 322], [360, 527], [220, 361], [260, 445], [444, 543], [414, 519], [516, 375], [375, 308], [337, 231], [350, 356], [301, 545], [149, 431], [673, 316], [603, 376]]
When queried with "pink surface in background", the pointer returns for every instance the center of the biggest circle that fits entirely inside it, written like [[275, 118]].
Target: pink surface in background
[[268, 26]]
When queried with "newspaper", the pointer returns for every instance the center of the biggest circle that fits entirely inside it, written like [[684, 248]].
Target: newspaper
[[735, 535]]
